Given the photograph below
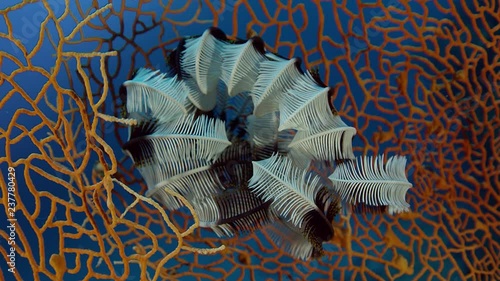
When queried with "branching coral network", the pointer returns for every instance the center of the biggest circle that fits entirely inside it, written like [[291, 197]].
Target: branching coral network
[[67, 153], [424, 76]]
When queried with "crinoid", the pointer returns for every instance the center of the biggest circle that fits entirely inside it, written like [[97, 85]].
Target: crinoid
[[233, 128]]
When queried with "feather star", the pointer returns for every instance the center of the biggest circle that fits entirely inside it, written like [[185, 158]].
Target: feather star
[[233, 128]]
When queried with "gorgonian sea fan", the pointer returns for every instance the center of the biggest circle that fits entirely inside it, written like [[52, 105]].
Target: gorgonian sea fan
[[233, 128]]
